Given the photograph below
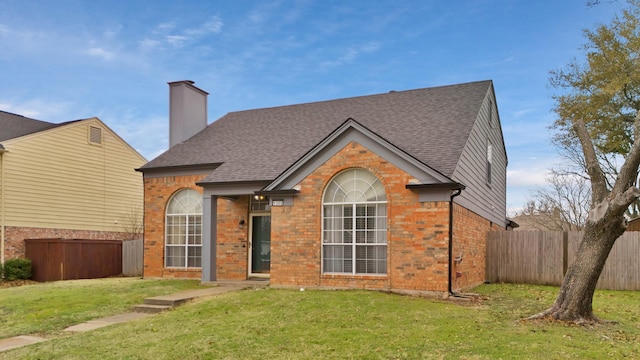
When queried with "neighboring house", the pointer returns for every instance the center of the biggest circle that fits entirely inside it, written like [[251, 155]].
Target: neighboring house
[[71, 180], [392, 191], [543, 222]]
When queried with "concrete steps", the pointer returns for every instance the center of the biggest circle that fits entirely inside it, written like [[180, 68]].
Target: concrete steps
[[157, 304], [150, 308]]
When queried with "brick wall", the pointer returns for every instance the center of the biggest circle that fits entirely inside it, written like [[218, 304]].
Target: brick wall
[[469, 240], [15, 236], [417, 232], [157, 192], [232, 245]]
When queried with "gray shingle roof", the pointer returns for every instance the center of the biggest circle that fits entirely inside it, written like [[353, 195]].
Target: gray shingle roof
[[14, 125], [431, 124]]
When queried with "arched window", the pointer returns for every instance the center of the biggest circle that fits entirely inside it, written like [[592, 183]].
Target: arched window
[[183, 240], [354, 224]]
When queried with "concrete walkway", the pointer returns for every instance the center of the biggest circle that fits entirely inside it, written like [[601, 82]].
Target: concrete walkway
[[151, 306]]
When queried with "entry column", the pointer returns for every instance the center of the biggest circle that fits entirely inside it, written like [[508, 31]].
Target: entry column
[[209, 236]]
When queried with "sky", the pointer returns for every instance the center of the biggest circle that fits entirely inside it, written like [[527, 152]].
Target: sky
[[64, 60]]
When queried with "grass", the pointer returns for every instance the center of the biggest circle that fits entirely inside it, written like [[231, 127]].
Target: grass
[[44, 308], [287, 324]]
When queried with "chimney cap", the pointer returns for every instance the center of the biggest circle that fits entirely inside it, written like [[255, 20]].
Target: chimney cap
[[190, 82], [187, 82]]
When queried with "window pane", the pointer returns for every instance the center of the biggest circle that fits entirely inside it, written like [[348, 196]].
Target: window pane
[[337, 259], [195, 256], [382, 209], [184, 226], [175, 256], [187, 201], [371, 259], [176, 229], [360, 226]]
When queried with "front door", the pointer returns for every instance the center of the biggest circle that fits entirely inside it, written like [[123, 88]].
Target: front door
[[260, 252]]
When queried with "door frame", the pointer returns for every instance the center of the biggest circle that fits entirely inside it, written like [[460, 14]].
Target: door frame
[[250, 249]]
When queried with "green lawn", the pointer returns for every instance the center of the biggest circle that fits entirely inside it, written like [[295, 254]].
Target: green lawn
[[287, 324], [49, 307]]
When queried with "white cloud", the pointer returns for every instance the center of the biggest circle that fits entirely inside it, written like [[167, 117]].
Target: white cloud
[[527, 177], [101, 53], [176, 40], [4, 29], [352, 53], [148, 44], [41, 109], [213, 26], [165, 27], [111, 33]]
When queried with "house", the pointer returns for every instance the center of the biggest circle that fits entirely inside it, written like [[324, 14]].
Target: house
[[71, 180], [391, 191]]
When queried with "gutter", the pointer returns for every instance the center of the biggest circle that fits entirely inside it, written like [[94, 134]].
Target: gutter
[[2, 225], [458, 192]]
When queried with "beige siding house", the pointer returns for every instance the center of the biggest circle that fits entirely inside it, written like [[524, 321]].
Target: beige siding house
[[70, 180]]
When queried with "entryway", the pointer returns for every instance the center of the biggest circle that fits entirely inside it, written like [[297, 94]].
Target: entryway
[[260, 245]]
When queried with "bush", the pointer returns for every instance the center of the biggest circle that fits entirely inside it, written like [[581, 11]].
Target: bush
[[1, 271], [17, 269]]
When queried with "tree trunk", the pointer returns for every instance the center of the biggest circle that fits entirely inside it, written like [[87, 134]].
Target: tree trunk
[[574, 302]]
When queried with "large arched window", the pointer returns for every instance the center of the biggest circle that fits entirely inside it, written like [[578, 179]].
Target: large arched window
[[183, 240], [354, 224]]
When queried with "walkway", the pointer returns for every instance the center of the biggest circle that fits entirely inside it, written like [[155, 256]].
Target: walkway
[[150, 306]]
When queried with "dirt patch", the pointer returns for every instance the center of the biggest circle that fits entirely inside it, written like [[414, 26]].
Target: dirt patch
[[14, 283]]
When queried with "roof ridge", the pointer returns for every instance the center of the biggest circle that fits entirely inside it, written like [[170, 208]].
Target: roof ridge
[[363, 96]]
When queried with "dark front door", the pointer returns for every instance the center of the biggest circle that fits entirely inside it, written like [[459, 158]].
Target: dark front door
[[260, 244]]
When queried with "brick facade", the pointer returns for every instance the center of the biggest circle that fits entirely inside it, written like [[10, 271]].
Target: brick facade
[[418, 233], [157, 193], [15, 236]]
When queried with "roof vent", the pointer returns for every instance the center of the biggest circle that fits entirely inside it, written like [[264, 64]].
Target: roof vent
[[95, 135]]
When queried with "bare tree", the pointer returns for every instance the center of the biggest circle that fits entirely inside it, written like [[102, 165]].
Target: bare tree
[[132, 223], [562, 205]]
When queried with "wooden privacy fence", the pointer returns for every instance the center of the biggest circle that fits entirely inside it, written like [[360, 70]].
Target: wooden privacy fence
[[132, 257], [542, 257], [67, 259]]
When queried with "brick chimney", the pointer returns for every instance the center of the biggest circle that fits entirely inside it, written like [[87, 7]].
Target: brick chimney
[[187, 111]]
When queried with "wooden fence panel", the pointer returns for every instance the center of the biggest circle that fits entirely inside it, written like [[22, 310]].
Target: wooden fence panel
[[622, 269], [525, 257], [542, 257], [67, 259], [132, 257]]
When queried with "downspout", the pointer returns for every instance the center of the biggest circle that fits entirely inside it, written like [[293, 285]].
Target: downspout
[[456, 193], [2, 226]]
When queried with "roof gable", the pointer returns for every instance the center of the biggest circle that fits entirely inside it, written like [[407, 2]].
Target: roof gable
[[352, 131], [430, 125]]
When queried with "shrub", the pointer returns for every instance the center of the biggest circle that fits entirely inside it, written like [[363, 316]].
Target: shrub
[[1, 271], [17, 269]]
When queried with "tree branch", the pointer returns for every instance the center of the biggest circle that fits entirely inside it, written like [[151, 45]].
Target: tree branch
[[598, 180]]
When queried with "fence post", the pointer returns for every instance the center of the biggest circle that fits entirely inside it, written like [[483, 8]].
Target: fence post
[[565, 253]]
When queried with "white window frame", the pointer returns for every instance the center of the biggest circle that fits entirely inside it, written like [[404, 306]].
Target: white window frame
[[188, 219], [489, 162], [354, 226]]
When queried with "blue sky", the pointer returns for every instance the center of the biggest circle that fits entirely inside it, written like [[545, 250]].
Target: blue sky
[[63, 60]]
